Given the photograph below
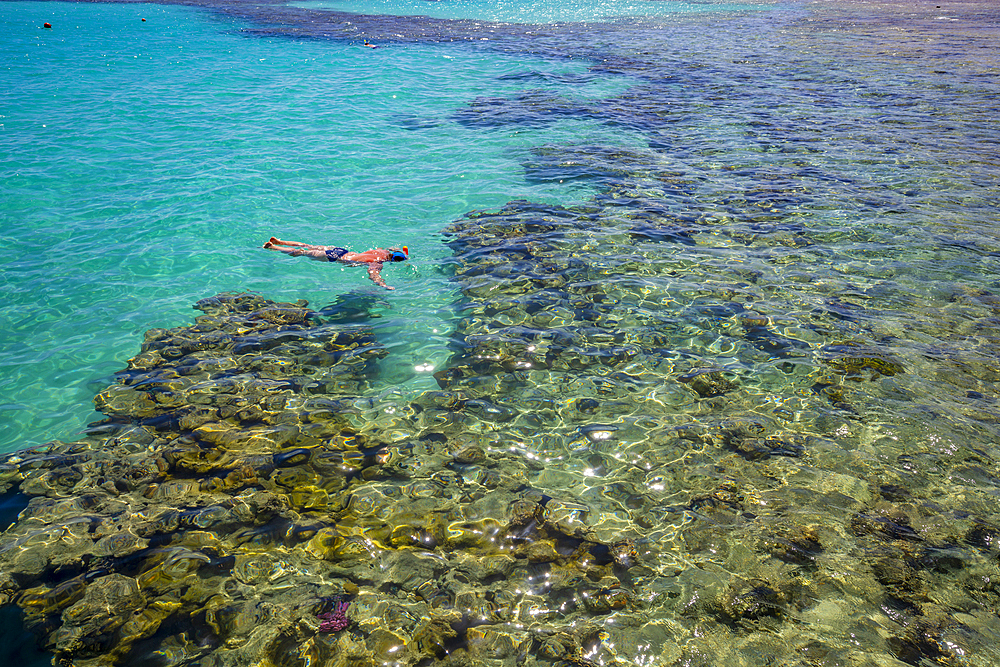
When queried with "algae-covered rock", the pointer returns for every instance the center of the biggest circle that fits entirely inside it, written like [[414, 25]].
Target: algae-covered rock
[[852, 359], [707, 382]]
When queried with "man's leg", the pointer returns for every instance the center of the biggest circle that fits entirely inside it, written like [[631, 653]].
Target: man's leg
[[313, 253], [295, 244]]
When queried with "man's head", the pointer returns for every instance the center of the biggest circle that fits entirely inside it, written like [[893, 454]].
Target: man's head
[[400, 254]]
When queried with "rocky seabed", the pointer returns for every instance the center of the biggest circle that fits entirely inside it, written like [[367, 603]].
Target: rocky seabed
[[618, 468]]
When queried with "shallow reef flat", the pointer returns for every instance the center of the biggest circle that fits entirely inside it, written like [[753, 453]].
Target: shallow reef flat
[[737, 408], [227, 511], [623, 461]]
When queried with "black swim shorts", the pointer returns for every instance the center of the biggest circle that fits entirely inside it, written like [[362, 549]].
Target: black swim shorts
[[335, 253]]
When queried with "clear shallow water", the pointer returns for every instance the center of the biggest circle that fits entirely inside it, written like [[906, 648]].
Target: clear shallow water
[[146, 162], [757, 339]]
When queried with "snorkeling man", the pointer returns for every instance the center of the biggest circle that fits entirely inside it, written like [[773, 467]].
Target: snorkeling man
[[328, 253]]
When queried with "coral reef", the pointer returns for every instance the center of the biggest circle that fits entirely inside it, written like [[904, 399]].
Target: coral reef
[[668, 434], [616, 466], [225, 509], [248, 498]]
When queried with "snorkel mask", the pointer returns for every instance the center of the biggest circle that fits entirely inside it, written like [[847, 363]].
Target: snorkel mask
[[400, 255]]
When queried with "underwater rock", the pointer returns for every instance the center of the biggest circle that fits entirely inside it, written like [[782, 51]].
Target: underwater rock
[[925, 640], [607, 599], [436, 637], [757, 331], [625, 553], [852, 359], [98, 616], [983, 536], [886, 523], [756, 448], [528, 108], [708, 382], [746, 602], [568, 646], [898, 577], [664, 234], [798, 545], [833, 392]]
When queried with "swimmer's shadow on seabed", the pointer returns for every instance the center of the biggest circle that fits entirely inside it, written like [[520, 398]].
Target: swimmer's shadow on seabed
[[361, 308], [353, 308]]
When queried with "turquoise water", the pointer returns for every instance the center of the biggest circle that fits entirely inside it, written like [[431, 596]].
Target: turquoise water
[[694, 361], [146, 162], [507, 11]]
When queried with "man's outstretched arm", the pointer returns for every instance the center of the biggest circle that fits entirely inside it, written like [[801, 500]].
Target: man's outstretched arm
[[375, 273]]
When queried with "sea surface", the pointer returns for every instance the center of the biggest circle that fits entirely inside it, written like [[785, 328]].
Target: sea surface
[[711, 287], [145, 163]]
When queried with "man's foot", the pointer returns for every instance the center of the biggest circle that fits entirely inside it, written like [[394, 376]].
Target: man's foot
[[274, 241], [269, 245]]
